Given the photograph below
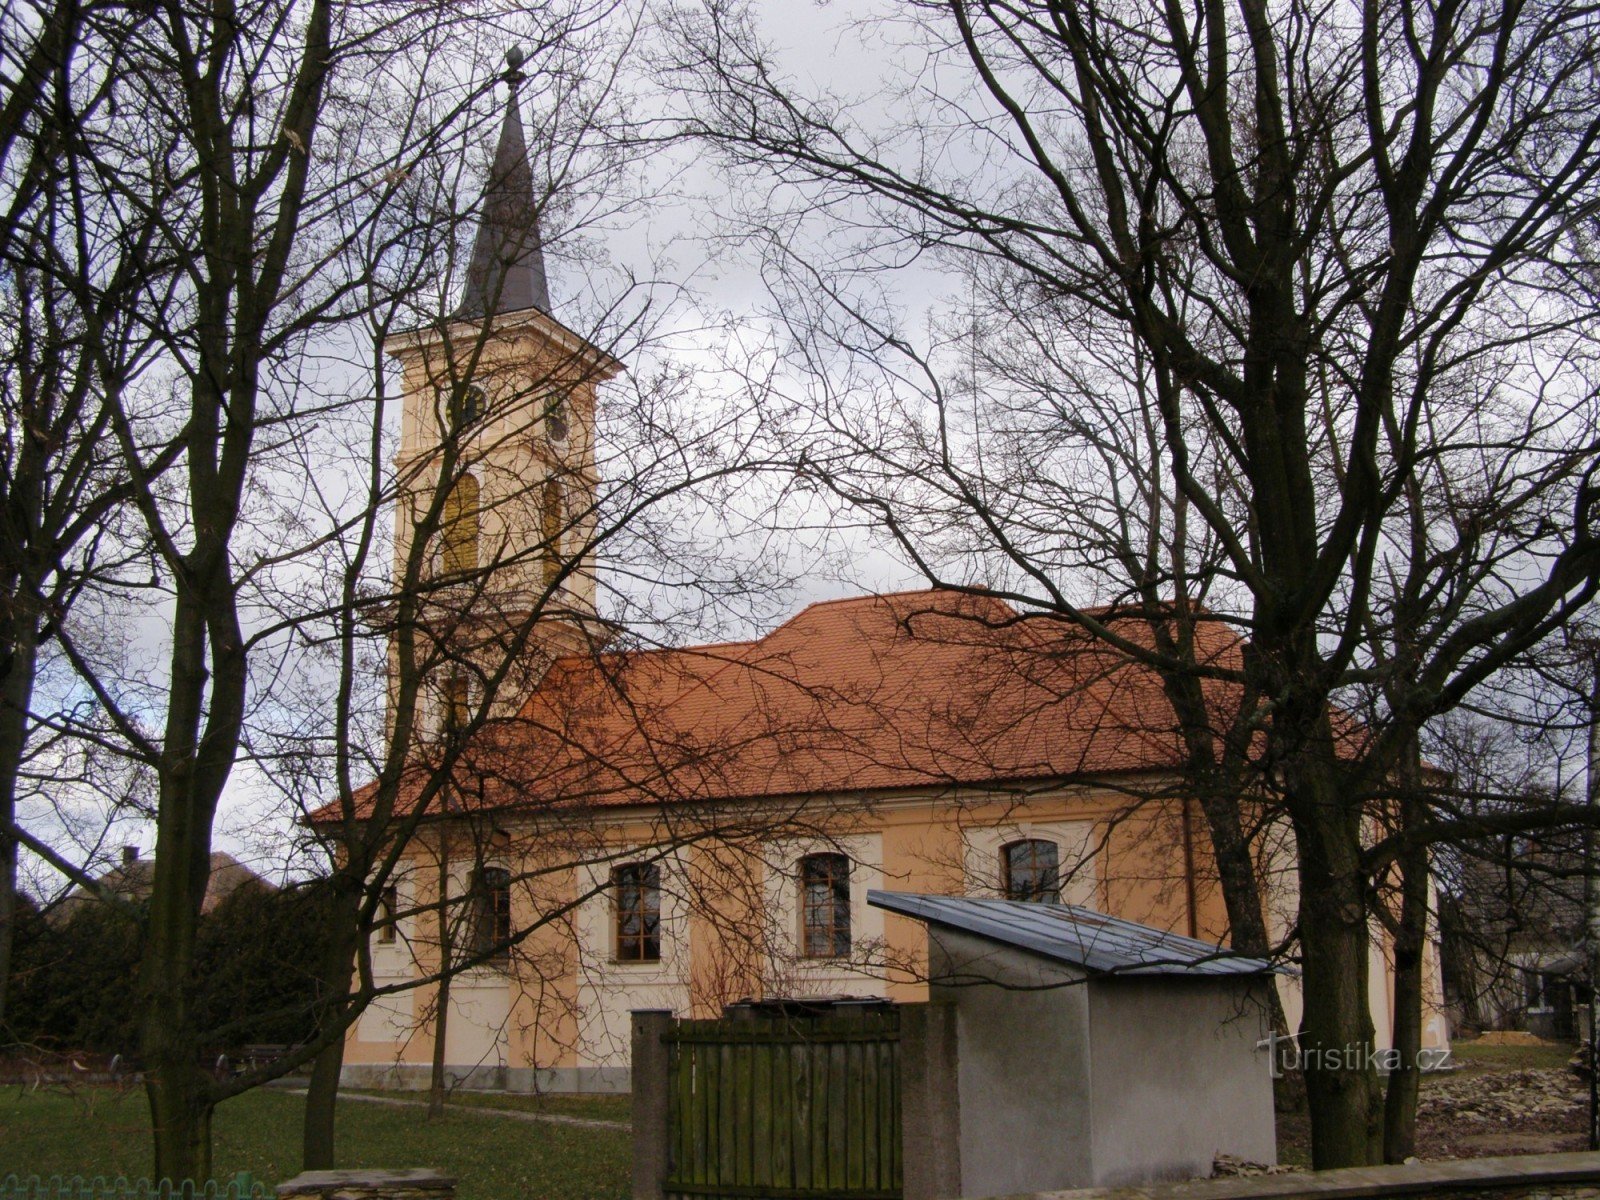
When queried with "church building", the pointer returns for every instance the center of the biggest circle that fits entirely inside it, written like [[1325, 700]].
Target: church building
[[682, 828]]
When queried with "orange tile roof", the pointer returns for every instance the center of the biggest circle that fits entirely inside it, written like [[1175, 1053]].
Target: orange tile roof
[[876, 692]]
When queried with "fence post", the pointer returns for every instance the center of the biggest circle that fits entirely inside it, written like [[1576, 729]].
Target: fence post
[[650, 1090], [930, 1105]]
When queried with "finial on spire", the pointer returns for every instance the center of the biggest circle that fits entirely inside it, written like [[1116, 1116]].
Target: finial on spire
[[515, 57]]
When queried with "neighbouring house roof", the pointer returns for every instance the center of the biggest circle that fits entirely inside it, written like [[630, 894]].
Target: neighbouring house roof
[[134, 879], [1518, 894], [907, 690], [1079, 937]]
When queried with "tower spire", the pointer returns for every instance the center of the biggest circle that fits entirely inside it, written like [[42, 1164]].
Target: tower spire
[[506, 271]]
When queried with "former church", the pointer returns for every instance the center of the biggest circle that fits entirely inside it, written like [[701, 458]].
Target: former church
[[678, 829]]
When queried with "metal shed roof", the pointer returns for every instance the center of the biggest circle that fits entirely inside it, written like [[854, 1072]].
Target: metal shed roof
[[1079, 937]]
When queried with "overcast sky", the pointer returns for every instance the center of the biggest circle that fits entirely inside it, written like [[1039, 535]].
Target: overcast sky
[[681, 241]]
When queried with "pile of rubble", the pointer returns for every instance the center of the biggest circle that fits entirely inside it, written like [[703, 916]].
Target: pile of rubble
[[1505, 1098], [1227, 1166]]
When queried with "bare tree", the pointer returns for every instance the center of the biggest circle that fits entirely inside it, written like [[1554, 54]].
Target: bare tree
[[233, 191], [1275, 300]]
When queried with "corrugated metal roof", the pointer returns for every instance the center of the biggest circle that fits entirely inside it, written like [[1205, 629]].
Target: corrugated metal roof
[[1079, 937]]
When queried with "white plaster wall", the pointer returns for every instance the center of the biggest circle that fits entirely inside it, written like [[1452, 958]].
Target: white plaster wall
[[1022, 1065], [608, 990], [788, 973], [477, 1033], [1180, 1055], [1077, 843], [397, 959], [386, 1019]]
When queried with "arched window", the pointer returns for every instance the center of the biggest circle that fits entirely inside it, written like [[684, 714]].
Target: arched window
[[459, 528], [455, 702], [553, 519], [825, 906], [468, 402], [388, 914], [489, 915], [555, 415], [1031, 870], [636, 891]]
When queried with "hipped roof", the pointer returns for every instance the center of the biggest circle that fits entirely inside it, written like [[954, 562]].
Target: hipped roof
[[901, 691]]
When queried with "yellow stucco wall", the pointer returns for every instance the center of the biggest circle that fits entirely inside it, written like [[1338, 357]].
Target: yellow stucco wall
[[731, 901]]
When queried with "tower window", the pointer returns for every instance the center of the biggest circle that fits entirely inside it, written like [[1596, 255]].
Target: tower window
[[555, 416], [636, 891], [825, 906], [1031, 870], [459, 532], [468, 403], [455, 704], [552, 518]]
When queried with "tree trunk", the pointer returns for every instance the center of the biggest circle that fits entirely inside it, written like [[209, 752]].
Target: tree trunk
[[1219, 788], [1241, 895], [1410, 948], [322, 1097], [179, 1091], [180, 1115], [322, 1093], [16, 697], [8, 915], [1400, 1099], [441, 1016], [1336, 1028]]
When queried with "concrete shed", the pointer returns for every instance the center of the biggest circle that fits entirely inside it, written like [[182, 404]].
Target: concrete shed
[[1089, 1051]]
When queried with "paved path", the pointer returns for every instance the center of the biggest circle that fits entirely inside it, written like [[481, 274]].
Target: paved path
[[485, 1110]]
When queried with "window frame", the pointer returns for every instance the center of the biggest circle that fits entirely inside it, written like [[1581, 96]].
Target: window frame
[[835, 928], [490, 928], [552, 525], [388, 931], [465, 404], [646, 885], [455, 704], [557, 420], [461, 527], [1037, 893]]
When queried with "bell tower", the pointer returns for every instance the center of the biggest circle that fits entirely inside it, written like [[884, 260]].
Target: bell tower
[[496, 465]]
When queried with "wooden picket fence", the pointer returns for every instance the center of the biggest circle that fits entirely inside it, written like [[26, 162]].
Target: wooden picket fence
[[785, 1107]]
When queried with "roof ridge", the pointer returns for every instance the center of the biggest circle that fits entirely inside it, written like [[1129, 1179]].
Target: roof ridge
[[698, 647], [869, 597]]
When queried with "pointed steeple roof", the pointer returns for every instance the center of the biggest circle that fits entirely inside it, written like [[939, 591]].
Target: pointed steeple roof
[[506, 272]]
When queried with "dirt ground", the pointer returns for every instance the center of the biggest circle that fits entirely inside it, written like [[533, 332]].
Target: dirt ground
[[1496, 1100]]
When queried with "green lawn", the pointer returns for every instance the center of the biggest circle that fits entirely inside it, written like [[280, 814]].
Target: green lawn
[[1478, 1054], [494, 1158], [592, 1108]]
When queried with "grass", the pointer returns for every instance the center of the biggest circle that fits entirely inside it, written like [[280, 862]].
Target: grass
[[100, 1132], [1519, 1058], [592, 1108]]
